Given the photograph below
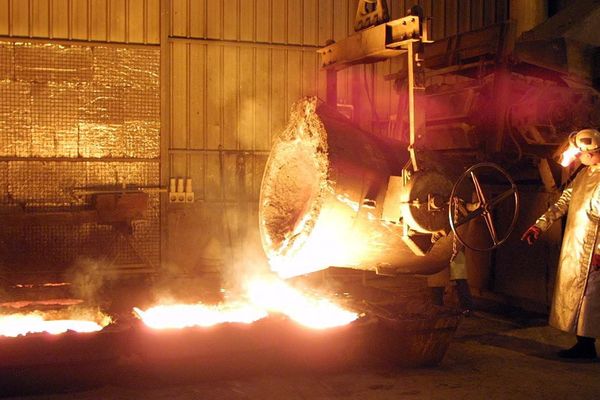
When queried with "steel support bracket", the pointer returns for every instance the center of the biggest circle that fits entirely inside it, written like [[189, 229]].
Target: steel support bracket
[[371, 45]]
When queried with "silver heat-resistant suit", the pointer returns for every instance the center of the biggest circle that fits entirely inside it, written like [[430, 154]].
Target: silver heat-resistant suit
[[576, 300]]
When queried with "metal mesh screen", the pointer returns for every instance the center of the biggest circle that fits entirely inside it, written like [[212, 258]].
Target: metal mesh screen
[[76, 117]]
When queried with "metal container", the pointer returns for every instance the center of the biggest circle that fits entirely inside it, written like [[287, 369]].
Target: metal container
[[322, 199]]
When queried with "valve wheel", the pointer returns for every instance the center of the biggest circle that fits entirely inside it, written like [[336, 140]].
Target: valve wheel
[[486, 205]]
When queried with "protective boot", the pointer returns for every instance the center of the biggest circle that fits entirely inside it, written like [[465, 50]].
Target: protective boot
[[584, 349]]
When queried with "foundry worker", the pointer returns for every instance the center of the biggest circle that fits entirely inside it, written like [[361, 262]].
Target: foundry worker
[[576, 300]]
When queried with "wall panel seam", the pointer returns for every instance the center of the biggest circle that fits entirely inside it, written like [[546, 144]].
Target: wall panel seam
[[243, 43]]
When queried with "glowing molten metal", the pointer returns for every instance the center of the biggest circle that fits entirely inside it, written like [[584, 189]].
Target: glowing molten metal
[[264, 296], [14, 325]]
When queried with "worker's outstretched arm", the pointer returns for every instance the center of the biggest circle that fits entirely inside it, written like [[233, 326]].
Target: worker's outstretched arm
[[554, 212]]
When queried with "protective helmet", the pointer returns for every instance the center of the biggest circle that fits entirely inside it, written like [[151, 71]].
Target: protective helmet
[[586, 140]]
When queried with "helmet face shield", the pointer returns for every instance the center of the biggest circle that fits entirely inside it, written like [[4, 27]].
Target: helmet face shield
[[584, 141], [587, 140]]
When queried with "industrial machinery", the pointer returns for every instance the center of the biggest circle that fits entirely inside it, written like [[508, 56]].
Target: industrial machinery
[[334, 195], [471, 108]]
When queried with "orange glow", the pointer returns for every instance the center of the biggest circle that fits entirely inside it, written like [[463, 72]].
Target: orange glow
[[187, 315], [569, 155], [263, 297], [331, 242], [312, 312], [14, 325]]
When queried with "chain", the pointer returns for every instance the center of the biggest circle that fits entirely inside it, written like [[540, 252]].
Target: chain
[[455, 202]]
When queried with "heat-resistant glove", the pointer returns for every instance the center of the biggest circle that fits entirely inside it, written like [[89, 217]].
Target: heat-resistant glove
[[531, 235]]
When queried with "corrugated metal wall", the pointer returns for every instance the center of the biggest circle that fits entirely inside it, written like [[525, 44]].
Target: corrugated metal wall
[[232, 70], [123, 21]]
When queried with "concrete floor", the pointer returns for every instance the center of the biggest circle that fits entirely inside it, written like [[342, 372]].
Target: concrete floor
[[492, 357]]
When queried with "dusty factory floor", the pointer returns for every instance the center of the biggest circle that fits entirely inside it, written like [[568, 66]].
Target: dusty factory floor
[[491, 357]]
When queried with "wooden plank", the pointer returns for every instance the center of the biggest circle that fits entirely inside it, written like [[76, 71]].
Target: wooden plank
[[294, 20], [247, 20], [464, 15], [20, 18], [153, 21], [117, 21], [99, 20], [476, 14], [262, 140], [60, 19], [310, 22], [197, 96], [451, 18], [80, 19], [263, 18], [247, 100], [214, 68], [232, 67], [214, 19], [135, 27], [197, 19], [179, 88], [326, 22], [231, 20]]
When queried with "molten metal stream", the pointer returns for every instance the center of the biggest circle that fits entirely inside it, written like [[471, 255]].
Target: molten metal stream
[[263, 297], [14, 325]]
